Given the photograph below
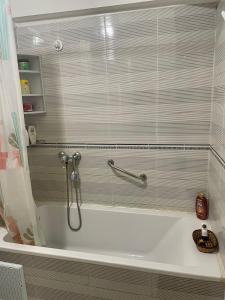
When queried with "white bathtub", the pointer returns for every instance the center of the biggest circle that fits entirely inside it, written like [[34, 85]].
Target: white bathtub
[[140, 239]]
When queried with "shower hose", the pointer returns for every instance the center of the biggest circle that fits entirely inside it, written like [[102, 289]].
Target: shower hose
[[78, 196]]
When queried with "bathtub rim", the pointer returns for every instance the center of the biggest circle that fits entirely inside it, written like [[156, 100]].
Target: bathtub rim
[[217, 275]]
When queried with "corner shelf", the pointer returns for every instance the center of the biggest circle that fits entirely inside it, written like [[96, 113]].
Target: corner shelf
[[34, 77]]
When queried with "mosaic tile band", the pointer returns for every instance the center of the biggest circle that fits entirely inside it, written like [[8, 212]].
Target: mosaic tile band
[[135, 146], [125, 146]]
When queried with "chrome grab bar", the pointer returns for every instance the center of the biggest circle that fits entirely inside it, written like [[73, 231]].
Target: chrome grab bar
[[141, 177]]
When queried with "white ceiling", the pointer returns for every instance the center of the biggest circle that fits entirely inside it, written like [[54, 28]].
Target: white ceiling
[[24, 10]]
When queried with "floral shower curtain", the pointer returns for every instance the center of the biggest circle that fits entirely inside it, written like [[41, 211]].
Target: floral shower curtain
[[17, 207]]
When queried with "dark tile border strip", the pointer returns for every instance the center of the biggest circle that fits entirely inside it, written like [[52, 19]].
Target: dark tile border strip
[[217, 156], [125, 146]]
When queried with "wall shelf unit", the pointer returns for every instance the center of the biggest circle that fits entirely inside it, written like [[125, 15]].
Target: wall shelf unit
[[34, 77]]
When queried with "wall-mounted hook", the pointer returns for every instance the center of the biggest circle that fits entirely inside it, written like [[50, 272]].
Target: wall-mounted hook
[[58, 44]]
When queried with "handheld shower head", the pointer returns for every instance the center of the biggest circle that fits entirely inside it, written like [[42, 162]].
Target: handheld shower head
[[76, 158], [75, 175]]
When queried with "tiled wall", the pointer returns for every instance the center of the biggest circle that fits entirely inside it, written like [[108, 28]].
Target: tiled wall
[[218, 108], [174, 176], [217, 157], [54, 279], [141, 76], [217, 201]]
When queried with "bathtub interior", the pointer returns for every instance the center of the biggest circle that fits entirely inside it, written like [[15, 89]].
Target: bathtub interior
[[134, 233], [105, 231], [141, 239]]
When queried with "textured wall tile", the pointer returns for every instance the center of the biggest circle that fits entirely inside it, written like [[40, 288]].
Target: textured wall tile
[[216, 194], [171, 295], [54, 291], [96, 176], [217, 138], [49, 268], [169, 287], [174, 176], [180, 175], [217, 128], [88, 35], [218, 108], [130, 77], [180, 10], [121, 280], [185, 60]]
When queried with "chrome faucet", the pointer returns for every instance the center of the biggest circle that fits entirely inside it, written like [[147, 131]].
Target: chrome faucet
[[63, 157], [74, 160]]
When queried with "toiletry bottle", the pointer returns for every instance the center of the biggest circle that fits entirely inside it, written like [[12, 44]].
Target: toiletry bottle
[[204, 236], [32, 135], [201, 206], [25, 87], [26, 137]]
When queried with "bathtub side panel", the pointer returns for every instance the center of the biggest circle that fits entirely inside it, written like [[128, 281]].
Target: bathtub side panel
[[48, 279]]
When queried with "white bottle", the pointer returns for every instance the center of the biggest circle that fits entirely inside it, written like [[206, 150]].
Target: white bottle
[[205, 235], [26, 137], [32, 135]]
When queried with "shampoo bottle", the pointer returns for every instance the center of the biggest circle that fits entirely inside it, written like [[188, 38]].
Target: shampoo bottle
[[201, 206], [32, 135], [204, 236], [26, 137]]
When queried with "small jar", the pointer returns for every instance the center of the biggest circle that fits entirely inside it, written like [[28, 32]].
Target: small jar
[[24, 64]]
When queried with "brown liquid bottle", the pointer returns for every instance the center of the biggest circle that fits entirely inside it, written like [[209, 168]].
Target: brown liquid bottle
[[201, 206]]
